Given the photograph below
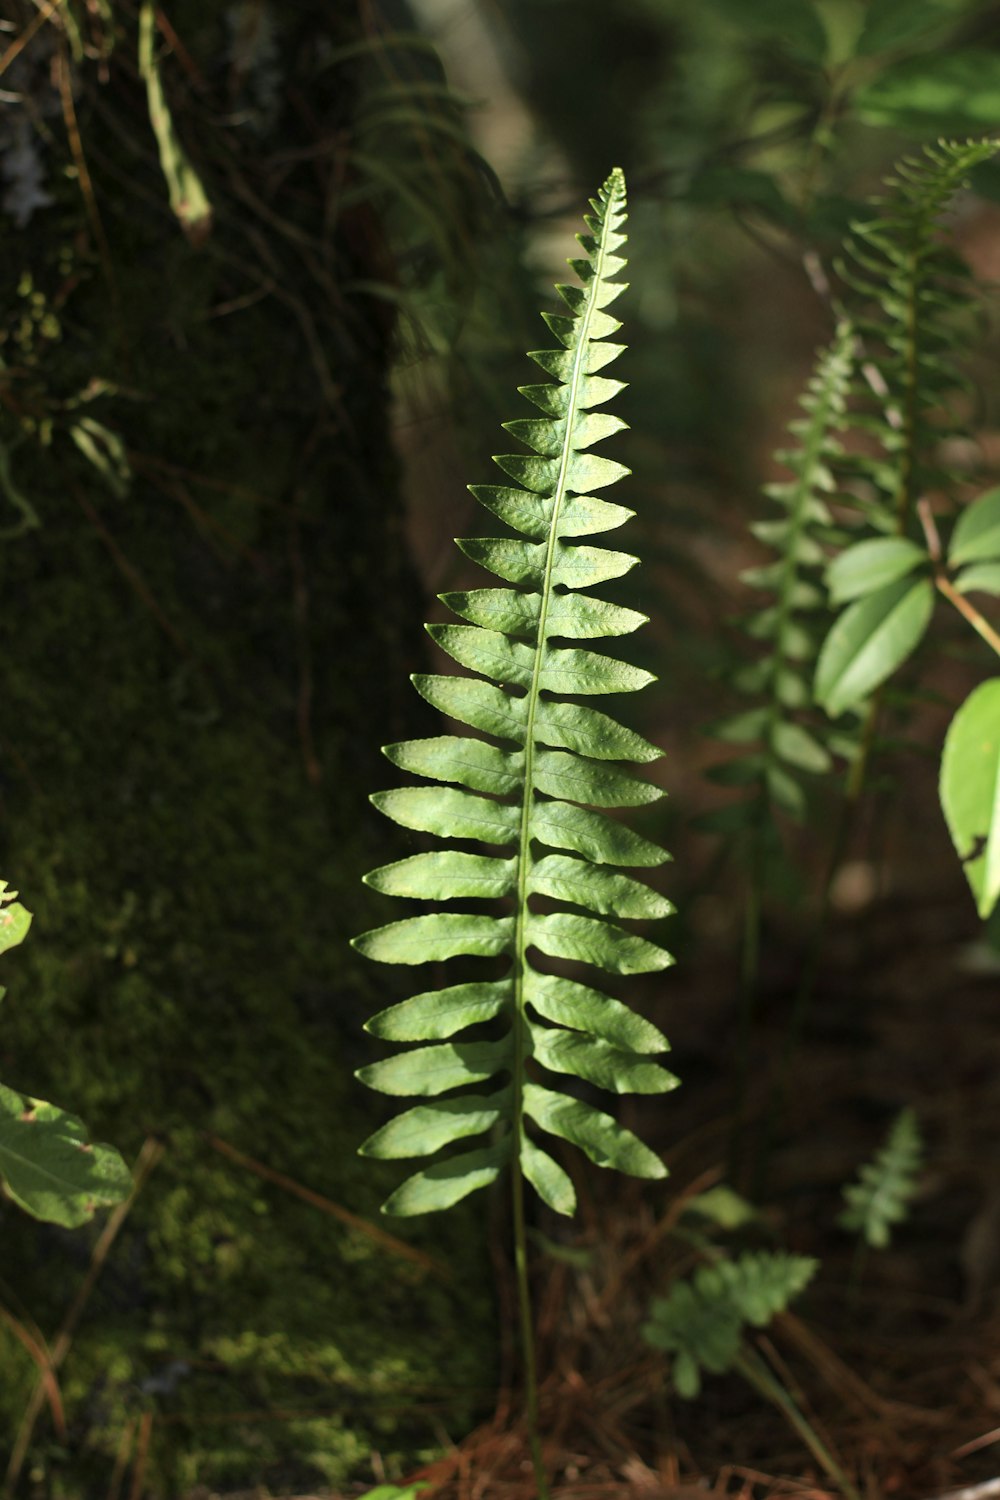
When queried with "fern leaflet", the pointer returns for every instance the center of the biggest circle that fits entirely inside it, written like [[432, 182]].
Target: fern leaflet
[[702, 1321], [539, 789], [880, 1197]]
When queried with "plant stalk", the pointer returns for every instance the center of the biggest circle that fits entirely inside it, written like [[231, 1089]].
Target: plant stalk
[[755, 1371], [527, 1323]]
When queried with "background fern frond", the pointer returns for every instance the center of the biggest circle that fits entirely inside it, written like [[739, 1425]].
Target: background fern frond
[[911, 294], [701, 1322], [881, 1195], [781, 742], [534, 792]]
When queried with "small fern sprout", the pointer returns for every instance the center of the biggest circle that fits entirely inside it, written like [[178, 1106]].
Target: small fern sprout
[[534, 786], [885, 1186], [702, 1321]]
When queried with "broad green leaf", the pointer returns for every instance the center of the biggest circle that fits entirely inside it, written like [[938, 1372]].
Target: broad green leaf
[[497, 609], [437, 1014], [427, 1071], [600, 890], [550, 1181], [448, 1182], [563, 934], [599, 1063], [598, 1135], [450, 813], [15, 920], [585, 515], [575, 779], [563, 825], [976, 537], [871, 564], [870, 640], [580, 567], [439, 935], [982, 578], [580, 617], [444, 875], [427, 1127], [577, 1006], [472, 763], [48, 1166], [970, 791]]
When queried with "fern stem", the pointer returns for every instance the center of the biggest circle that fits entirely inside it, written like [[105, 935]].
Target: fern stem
[[755, 1371], [969, 612], [519, 1021], [527, 1323]]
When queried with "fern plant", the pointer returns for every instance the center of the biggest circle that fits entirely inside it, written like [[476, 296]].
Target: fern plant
[[777, 739], [702, 1321], [881, 1195], [536, 787]]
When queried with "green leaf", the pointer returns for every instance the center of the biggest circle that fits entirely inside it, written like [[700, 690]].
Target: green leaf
[[15, 920], [983, 578], [795, 745], [563, 825], [444, 875], [569, 670], [870, 640], [575, 779], [471, 701], [563, 934], [570, 726], [448, 1182], [439, 935], [437, 1014], [970, 791], [450, 813], [599, 1063], [427, 1127], [549, 1180], [600, 890], [48, 1166], [472, 763], [598, 1136], [976, 537], [427, 1071], [870, 565], [575, 1005]]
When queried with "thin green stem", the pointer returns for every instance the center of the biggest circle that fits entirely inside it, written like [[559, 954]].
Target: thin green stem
[[755, 1371], [527, 1323]]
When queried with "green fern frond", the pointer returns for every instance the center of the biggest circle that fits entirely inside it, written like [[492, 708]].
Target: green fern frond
[[911, 292], [781, 743], [881, 1196], [702, 1321], [537, 799]]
